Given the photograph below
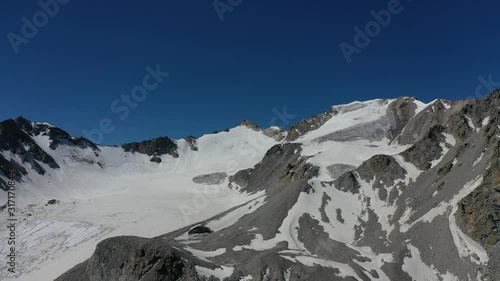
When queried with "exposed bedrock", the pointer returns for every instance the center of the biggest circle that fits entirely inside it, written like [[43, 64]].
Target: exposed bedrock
[[480, 210], [309, 124], [281, 164], [131, 259], [424, 151], [382, 170], [277, 133], [390, 125], [192, 143], [336, 170], [401, 112], [14, 139], [211, 179], [437, 113], [158, 146]]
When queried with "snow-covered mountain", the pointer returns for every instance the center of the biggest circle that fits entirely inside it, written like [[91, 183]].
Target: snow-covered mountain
[[388, 189]]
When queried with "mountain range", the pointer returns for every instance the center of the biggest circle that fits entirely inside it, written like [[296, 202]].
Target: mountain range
[[387, 189]]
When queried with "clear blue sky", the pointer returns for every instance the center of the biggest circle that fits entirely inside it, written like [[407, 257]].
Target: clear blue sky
[[264, 55]]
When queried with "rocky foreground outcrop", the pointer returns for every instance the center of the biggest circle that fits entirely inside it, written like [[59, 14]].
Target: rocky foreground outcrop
[[140, 259]]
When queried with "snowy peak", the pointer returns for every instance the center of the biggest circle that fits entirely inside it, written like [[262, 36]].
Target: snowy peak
[[275, 132], [16, 137], [56, 135], [388, 189], [380, 120]]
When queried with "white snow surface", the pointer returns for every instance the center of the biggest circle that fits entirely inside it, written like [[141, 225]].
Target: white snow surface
[[344, 269], [486, 121], [418, 270], [129, 196], [221, 273]]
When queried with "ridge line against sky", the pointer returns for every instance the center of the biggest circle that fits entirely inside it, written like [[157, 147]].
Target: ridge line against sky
[[280, 116], [257, 57]]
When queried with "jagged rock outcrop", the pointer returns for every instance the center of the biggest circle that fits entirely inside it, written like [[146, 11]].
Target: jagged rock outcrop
[[480, 210], [437, 113], [383, 170], [191, 141], [211, 179], [401, 111], [427, 149], [140, 259], [16, 137], [282, 163], [348, 182], [389, 125], [309, 124], [155, 147], [277, 133], [56, 135]]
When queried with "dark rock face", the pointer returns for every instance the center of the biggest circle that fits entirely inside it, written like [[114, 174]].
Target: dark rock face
[[155, 159], [274, 166], [427, 149], [276, 133], [390, 126], [317, 240], [158, 146], [200, 230], [140, 259], [15, 139], [16, 136], [218, 132], [192, 143], [436, 114], [348, 182], [480, 210], [52, 202], [250, 125], [210, 179], [443, 171], [401, 111], [7, 166], [309, 124], [324, 200], [56, 135], [382, 169]]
